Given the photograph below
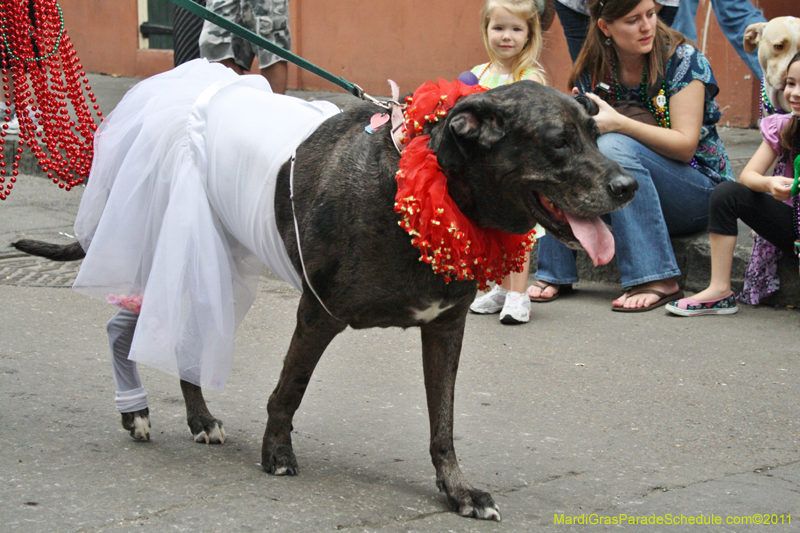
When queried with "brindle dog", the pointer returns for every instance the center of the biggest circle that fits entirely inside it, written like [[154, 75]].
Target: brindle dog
[[513, 156]]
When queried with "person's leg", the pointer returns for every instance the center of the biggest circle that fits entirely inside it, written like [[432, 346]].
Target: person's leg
[[215, 43], [684, 20], [517, 305], [130, 394], [555, 266], [722, 247], [517, 281], [277, 75], [272, 23], [672, 199], [733, 17], [576, 27], [723, 228], [231, 64], [667, 14], [186, 35]]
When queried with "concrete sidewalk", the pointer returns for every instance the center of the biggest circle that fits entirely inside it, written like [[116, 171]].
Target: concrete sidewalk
[[583, 414]]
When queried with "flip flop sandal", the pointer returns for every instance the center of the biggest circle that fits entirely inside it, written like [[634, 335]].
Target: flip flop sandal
[[562, 289], [663, 300]]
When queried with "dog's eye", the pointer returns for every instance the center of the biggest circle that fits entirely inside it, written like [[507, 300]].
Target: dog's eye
[[778, 47], [560, 144]]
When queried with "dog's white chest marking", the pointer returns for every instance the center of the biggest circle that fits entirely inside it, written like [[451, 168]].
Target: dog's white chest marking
[[430, 312]]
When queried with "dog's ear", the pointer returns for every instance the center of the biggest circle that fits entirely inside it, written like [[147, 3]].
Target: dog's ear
[[587, 104], [752, 36], [471, 125]]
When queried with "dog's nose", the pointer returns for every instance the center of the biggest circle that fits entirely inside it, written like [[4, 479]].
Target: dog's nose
[[623, 186]]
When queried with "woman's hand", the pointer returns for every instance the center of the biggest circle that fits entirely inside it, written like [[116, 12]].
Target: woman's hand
[[686, 118], [607, 118]]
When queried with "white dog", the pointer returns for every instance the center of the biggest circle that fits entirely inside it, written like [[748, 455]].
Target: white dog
[[778, 41]]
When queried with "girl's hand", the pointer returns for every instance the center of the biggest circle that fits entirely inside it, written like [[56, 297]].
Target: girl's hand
[[780, 187], [752, 175]]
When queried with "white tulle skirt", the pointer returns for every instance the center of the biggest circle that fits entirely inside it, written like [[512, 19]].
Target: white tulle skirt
[[178, 214]]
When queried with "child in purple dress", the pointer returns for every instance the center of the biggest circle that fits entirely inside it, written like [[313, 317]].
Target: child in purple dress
[[761, 202]]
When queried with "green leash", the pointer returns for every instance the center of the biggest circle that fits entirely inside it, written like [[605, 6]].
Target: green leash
[[259, 41]]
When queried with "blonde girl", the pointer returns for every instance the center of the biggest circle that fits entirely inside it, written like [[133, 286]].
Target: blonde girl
[[512, 36]]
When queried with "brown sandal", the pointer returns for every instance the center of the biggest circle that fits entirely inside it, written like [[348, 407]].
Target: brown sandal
[[663, 299], [562, 289]]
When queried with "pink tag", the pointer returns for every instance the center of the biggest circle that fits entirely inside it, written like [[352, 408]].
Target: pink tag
[[378, 120]]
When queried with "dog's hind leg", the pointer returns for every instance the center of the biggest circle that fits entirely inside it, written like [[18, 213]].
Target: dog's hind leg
[[137, 423], [202, 424], [131, 398], [441, 349], [314, 331]]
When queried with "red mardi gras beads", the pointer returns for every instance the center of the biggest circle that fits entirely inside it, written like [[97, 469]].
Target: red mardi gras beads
[[46, 72]]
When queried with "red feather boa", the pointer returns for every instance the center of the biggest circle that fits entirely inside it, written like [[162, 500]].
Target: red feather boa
[[450, 242]]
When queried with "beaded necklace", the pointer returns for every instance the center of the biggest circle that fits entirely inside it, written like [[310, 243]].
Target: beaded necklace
[[510, 80], [766, 105], [657, 105], [796, 186], [38, 57]]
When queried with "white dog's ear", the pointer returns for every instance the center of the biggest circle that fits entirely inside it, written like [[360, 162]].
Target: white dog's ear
[[752, 36]]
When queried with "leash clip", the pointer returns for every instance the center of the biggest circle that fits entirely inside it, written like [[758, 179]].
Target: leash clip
[[383, 104]]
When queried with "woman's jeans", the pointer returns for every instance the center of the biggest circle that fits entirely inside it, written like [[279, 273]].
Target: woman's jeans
[[672, 199], [575, 26]]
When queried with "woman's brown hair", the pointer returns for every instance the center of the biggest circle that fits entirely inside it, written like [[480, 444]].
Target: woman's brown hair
[[596, 55]]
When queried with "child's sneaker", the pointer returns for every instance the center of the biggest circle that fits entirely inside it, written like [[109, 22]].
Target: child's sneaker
[[517, 308], [491, 302], [691, 307]]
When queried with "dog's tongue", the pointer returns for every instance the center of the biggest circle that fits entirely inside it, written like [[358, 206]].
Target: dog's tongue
[[594, 237]]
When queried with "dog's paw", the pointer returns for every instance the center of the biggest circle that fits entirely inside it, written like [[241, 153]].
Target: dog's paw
[[208, 432], [482, 507], [471, 503], [138, 424], [279, 461]]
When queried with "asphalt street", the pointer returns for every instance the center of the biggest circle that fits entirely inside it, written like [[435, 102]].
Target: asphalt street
[[580, 415]]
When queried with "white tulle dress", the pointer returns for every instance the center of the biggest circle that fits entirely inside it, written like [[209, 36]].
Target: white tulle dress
[[177, 217]]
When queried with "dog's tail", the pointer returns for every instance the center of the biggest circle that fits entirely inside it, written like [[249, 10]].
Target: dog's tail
[[56, 252]]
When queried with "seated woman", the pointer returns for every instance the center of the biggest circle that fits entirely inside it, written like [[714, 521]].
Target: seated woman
[[677, 159]]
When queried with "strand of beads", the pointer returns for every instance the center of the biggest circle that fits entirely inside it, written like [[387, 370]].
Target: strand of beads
[[766, 105], [794, 159], [658, 105], [38, 57]]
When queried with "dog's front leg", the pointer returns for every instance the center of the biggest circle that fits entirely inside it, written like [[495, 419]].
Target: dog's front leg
[[441, 349], [314, 331]]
